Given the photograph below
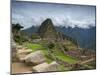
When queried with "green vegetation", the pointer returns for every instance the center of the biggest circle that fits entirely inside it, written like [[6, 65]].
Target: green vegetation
[[57, 53], [60, 55], [34, 47], [51, 45], [66, 58]]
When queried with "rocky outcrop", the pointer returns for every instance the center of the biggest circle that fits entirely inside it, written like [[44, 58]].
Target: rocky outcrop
[[41, 67], [45, 67], [35, 58], [54, 66], [22, 53]]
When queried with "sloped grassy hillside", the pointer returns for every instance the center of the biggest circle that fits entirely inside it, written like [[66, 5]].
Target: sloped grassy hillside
[[52, 54]]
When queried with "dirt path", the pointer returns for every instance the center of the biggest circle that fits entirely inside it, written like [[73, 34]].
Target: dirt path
[[18, 67], [87, 61]]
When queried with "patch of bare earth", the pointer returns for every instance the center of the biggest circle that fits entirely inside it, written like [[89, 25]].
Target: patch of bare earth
[[19, 67]]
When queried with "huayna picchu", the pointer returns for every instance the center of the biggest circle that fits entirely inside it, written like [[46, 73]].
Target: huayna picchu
[[47, 30]]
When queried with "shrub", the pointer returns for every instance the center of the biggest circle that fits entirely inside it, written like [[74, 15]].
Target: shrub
[[51, 45]]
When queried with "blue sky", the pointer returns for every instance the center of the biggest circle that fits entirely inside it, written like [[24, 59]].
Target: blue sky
[[33, 13]]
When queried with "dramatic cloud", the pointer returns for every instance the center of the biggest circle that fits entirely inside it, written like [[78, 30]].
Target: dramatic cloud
[[29, 13]]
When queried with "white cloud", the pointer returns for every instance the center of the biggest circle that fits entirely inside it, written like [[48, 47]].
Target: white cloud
[[28, 14], [58, 21]]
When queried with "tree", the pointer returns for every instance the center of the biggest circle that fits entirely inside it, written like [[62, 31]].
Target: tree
[[16, 30]]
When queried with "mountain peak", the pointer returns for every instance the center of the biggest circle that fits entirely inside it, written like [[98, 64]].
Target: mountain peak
[[48, 19], [47, 22], [47, 29]]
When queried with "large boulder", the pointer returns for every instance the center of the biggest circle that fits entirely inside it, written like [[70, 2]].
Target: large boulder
[[45, 67], [54, 66], [22, 53], [40, 67], [35, 58]]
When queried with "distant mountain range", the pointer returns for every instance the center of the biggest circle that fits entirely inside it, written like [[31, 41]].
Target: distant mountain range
[[85, 37]]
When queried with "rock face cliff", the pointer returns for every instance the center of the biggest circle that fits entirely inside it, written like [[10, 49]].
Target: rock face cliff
[[47, 30]]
